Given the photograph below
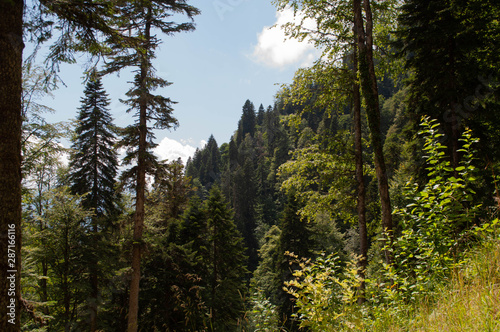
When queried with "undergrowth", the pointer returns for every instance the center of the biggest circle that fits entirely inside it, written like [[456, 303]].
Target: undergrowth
[[436, 282]]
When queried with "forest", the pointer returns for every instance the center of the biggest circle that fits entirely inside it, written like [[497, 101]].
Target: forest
[[365, 198]]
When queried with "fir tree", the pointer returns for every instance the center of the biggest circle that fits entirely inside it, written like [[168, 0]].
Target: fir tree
[[244, 198], [226, 264], [295, 238], [94, 161], [93, 168], [260, 115], [210, 163], [247, 123], [152, 111], [450, 47]]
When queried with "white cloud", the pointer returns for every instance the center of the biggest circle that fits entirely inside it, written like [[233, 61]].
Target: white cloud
[[170, 150], [274, 49]]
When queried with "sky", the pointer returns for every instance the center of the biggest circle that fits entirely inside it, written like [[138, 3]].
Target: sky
[[234, 54]]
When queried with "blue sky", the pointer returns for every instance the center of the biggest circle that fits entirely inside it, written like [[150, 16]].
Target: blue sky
[[232, 56]]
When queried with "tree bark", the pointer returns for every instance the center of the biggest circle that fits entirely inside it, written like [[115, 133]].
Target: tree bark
[[141, 185], [369, 90], [361, 192], [11, 57]]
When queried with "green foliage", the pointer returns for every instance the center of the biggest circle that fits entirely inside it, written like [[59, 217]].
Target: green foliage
[[435, 223], [205, 165], [326, 293], [441, 43], [323, 178], [263, 316], [467, 302], [94, 161], [63, 259], [226, 264], [435, 227], [266, 280]]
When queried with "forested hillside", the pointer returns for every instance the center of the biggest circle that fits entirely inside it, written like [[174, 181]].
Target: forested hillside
[[352, 203]]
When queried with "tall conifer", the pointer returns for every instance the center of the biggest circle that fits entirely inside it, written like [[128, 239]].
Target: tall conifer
[[226, 264], [247, 123], [94, 161], [295, 238], [142, 19], [93, 170]]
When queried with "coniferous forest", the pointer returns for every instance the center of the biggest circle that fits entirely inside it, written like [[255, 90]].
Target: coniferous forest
[[365, 198]]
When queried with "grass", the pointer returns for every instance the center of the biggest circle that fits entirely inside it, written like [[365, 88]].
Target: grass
[[470, 302]]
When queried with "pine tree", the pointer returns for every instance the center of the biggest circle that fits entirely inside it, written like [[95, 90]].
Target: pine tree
[[93, 169]]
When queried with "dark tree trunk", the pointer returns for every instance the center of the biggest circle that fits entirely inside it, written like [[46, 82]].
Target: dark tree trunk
[[138, 225], [141, 186], [11, 57], [361, 192], [370, 94], [94, 280], [94, 284], [213, 313]]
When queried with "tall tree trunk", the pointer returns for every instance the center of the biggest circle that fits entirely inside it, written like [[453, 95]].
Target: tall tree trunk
[[369, 90], [213, 312], [361, 192], [94, 296], [65, 283], [94, 281], [138, 225], [141, 185], [11, 57]]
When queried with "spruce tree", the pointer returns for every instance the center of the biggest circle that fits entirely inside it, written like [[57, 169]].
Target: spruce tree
[[174, 271], [260, 115], [93, 169], [226, 269], [209, 163], [94, 161], [451, 49], [245, 201], [247, 123], [295, 238]]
